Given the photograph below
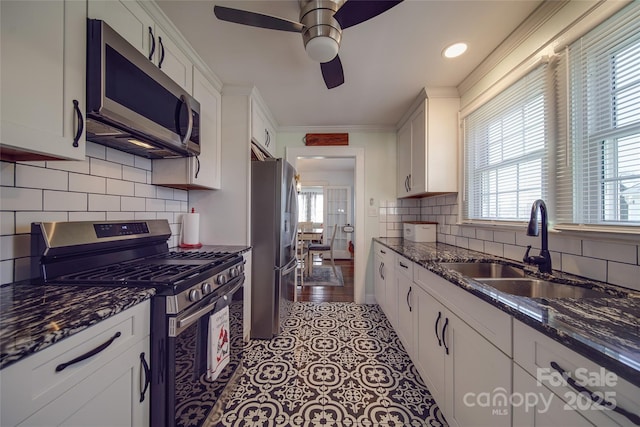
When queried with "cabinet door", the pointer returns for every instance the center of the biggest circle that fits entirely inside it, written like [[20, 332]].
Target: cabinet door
[[111, 396], [261, 131], [129, 20], [419, 150], [541, 407], [405, 287], [475, 369], [210, 100], [172, 61], [378, 281], [43, 56], [403, 183], [430, 352]]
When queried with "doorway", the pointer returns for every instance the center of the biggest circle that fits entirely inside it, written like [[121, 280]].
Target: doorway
[[355, 263]]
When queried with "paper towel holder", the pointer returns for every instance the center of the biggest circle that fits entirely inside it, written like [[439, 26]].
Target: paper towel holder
[[187, 245]]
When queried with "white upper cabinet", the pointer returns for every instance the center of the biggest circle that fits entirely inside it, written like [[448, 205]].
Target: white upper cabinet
[[129, 19], [427, 151], [202, 171], [43, 51], [263, 130]]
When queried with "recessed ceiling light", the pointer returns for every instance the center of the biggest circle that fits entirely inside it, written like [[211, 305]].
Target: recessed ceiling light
[[454, 50]]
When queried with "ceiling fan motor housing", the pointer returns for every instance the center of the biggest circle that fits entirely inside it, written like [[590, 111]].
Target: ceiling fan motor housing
[[322, 33]]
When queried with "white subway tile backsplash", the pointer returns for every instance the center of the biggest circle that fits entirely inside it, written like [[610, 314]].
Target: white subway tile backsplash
[[155, 205], [505, 237], [627, 275], [494, 248], [7, 223], [7, 174], [70, 166], [132, 204], [22, 268], [564, 244], [144, 190], [133, 174], [145, 215], [21, 199], [143, 163], [610, 251], [107, 169], [484, 234], [120, 188], [120, 157], [120, 216], [87, 183], [173, 206], [25, 218], [6, 271], [476, 245], [64, 201], [14, 246], [36, 177], [96, 150], [164, 193], [103, 202], [591, 268], [87, 216]]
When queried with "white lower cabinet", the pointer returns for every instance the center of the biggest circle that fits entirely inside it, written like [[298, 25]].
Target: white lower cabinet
[[97, 377], [406, 311], [381, 279], [460, 367], [535, 405]]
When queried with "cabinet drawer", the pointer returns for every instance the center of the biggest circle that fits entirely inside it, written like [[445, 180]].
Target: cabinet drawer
[[404, 266], [40, 378], [535, 352], [491, 322]]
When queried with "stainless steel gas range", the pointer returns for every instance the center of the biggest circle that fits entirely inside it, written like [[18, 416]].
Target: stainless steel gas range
[[192, 288]]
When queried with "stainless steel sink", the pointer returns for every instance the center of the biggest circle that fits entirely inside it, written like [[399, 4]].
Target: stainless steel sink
[[536, 288], [484, 269]]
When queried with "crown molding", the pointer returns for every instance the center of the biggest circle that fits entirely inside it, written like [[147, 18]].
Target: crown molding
[[338, 129]]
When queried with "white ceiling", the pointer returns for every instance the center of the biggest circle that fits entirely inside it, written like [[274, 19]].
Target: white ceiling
[[387, 60]]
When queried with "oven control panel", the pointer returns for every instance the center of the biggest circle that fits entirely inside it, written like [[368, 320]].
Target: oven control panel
[[120, 229]]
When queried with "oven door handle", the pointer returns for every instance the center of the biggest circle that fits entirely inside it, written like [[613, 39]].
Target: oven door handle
[[193, 317]]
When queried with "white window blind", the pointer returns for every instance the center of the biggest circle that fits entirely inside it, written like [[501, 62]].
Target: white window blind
[[602, 157], [506, 151]]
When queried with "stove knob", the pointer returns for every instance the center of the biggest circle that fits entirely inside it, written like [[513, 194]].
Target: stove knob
[[241, 268], [195, 295], [233, 272], [206, 288], [221, 279]]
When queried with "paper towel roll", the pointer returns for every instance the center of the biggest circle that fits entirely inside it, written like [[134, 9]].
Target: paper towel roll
[[191, 229]]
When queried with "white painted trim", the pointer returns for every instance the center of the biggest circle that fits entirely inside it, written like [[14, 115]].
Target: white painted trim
[[337, 129], [292, 154]]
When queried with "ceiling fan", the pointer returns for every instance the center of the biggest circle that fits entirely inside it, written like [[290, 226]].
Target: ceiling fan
[[321, 24]]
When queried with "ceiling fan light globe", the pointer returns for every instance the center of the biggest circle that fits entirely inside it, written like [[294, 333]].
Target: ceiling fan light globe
[[322, 49]]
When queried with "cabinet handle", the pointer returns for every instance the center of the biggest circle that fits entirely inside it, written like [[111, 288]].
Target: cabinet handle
[[382, 252], [406, 183], [402, 265], [267, 137], [438, 336], [88, 354], [444, 331], [153, 44], [197, 166], [409, 181], [80, 127], [161, 52], [382, 270], [408, 301], [144, 383], [594, 397]]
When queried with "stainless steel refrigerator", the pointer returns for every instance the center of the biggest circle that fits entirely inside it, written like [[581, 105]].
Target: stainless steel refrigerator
[[274, 224]]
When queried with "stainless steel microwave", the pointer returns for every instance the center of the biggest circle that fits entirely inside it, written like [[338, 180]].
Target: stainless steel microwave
[[134, 106]]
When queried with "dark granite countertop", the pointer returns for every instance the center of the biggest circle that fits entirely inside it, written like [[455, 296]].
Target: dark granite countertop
[[35, 316], [605, 330]]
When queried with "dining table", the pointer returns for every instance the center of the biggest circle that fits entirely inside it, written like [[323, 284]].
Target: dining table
[[310, 234]]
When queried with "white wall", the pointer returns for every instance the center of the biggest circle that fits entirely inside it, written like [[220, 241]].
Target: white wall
[[107, 185]]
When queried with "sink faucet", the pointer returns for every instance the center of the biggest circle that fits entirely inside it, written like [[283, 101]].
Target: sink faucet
[[543, 260]]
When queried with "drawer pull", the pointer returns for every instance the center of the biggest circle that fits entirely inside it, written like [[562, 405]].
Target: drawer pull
[[88, 354], [438, 336], [408, 301], [402, 265], [144, 385], [595, 398]]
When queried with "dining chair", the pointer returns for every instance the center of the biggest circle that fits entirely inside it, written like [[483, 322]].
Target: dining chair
[[322, 249], [302, 254]]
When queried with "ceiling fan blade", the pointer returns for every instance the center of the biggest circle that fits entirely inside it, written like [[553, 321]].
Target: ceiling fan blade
[[354, 12], [332, 72], [256, 19]]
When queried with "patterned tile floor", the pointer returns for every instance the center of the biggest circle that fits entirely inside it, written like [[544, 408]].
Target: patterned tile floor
[[335, 364]]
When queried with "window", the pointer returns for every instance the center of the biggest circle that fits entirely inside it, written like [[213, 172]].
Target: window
[[568, 132], [506, 151], [310, 204], [604, 143]]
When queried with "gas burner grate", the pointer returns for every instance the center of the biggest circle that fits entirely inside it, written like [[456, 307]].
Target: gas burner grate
[[133, 274], [204, 255]]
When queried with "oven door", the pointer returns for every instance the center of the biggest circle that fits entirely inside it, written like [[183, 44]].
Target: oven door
[[184, 396]]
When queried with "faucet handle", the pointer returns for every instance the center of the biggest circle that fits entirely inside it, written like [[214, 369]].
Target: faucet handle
[[525, 259]]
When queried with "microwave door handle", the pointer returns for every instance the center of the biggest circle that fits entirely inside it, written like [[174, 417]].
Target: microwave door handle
[[187, 135]]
